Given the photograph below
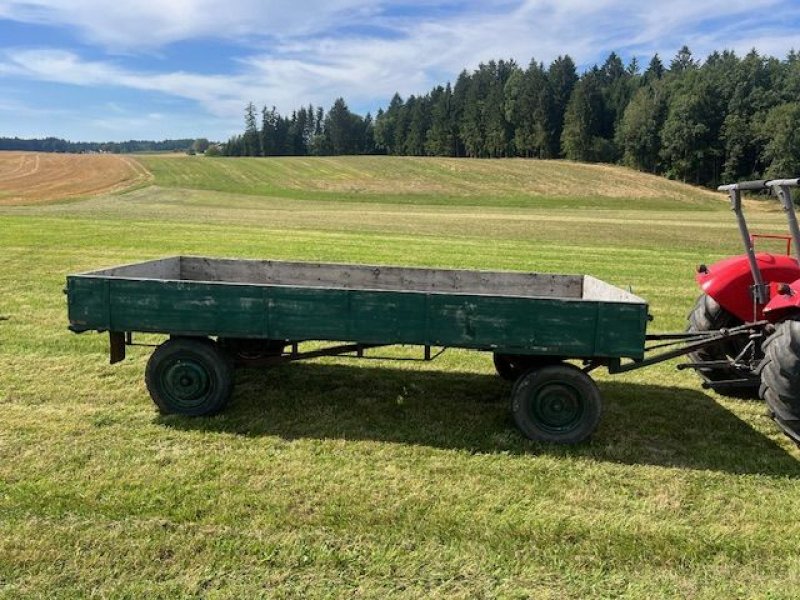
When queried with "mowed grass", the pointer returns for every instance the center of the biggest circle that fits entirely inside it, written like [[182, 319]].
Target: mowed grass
[[425, 181], [338, 478]]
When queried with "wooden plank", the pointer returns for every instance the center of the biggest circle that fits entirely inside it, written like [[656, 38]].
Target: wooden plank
[[162, 268], [372, 277]]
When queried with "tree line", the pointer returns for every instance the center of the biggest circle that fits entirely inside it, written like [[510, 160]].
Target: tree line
[[721, 119], [53, 144], [308, 131]]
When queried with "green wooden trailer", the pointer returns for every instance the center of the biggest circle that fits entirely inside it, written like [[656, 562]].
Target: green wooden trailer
[[219, 313]]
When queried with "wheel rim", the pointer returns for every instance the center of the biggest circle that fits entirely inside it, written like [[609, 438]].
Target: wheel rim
[[557, 407], [186, 382]]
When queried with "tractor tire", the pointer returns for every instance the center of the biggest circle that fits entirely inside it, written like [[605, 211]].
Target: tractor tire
[[512, 366], [708, 315], [780, 376], [189, 376]]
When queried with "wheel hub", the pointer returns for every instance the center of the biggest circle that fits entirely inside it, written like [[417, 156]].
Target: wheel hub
[[186, 380], [557, 407]]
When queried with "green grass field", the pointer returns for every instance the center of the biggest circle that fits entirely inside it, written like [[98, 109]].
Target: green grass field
[[336, 478]]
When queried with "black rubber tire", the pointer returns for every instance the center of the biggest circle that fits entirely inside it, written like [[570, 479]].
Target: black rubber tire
[[189, 376], [780, 376], [557, 404], [512, 366], [251, 351], [708, 315]]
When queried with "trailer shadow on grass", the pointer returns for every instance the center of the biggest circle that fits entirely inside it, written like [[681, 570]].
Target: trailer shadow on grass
[[642, 424]]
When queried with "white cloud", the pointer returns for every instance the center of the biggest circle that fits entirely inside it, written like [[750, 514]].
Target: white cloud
[[307, 52], [137, 24]]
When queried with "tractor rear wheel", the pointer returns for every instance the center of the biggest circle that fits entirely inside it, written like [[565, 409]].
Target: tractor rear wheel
[[708, 315], [780, 376]]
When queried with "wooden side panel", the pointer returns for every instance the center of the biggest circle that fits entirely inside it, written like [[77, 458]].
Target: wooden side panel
[[525, 325], [346, 315], [514, 324], [621, 330], [380, 316], [307, 313], [87, 303], [180, 307]]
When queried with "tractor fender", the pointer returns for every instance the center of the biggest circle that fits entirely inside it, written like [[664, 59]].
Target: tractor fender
[[729, 281], [784, 299]]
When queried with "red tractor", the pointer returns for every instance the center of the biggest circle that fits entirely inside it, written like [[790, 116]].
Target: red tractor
[[762, 291]]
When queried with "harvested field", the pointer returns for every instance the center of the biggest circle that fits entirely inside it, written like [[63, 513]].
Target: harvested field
[[35, 178]]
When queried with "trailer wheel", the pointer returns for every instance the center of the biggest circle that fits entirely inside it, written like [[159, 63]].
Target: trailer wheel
[[511, 366], [780, 376], [708, 315], [557, 403], [251, 351], [191, 377]]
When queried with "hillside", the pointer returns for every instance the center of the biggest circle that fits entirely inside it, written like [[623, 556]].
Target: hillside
[[32, 178], [430, 180]]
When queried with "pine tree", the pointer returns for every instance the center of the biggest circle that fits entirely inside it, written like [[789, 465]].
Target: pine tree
[[400, 126], [440, 140], [639, 134], [618, 87], [368, 136], [633, 67], [385, 123], [311, 123], [418, 124], [343, 131], [297, 132], [473, 128], [655, 70], [252, 143], [530, 110], [496, 130], [562, 76], [460, 92], [583, 122], [683, 61]]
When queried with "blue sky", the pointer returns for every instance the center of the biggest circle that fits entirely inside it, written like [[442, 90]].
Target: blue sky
[[154, 69]]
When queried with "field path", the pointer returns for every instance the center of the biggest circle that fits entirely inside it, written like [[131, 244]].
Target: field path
[[37, 178]]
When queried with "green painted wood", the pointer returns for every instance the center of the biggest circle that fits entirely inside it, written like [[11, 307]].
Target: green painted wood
[[187, 307], [87, 299], [620, 329], [568, 327]]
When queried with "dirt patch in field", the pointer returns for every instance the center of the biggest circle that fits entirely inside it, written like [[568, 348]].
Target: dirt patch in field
[[35, 178]]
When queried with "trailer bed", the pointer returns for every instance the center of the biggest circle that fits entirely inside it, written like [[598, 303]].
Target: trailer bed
[[569, 316]]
